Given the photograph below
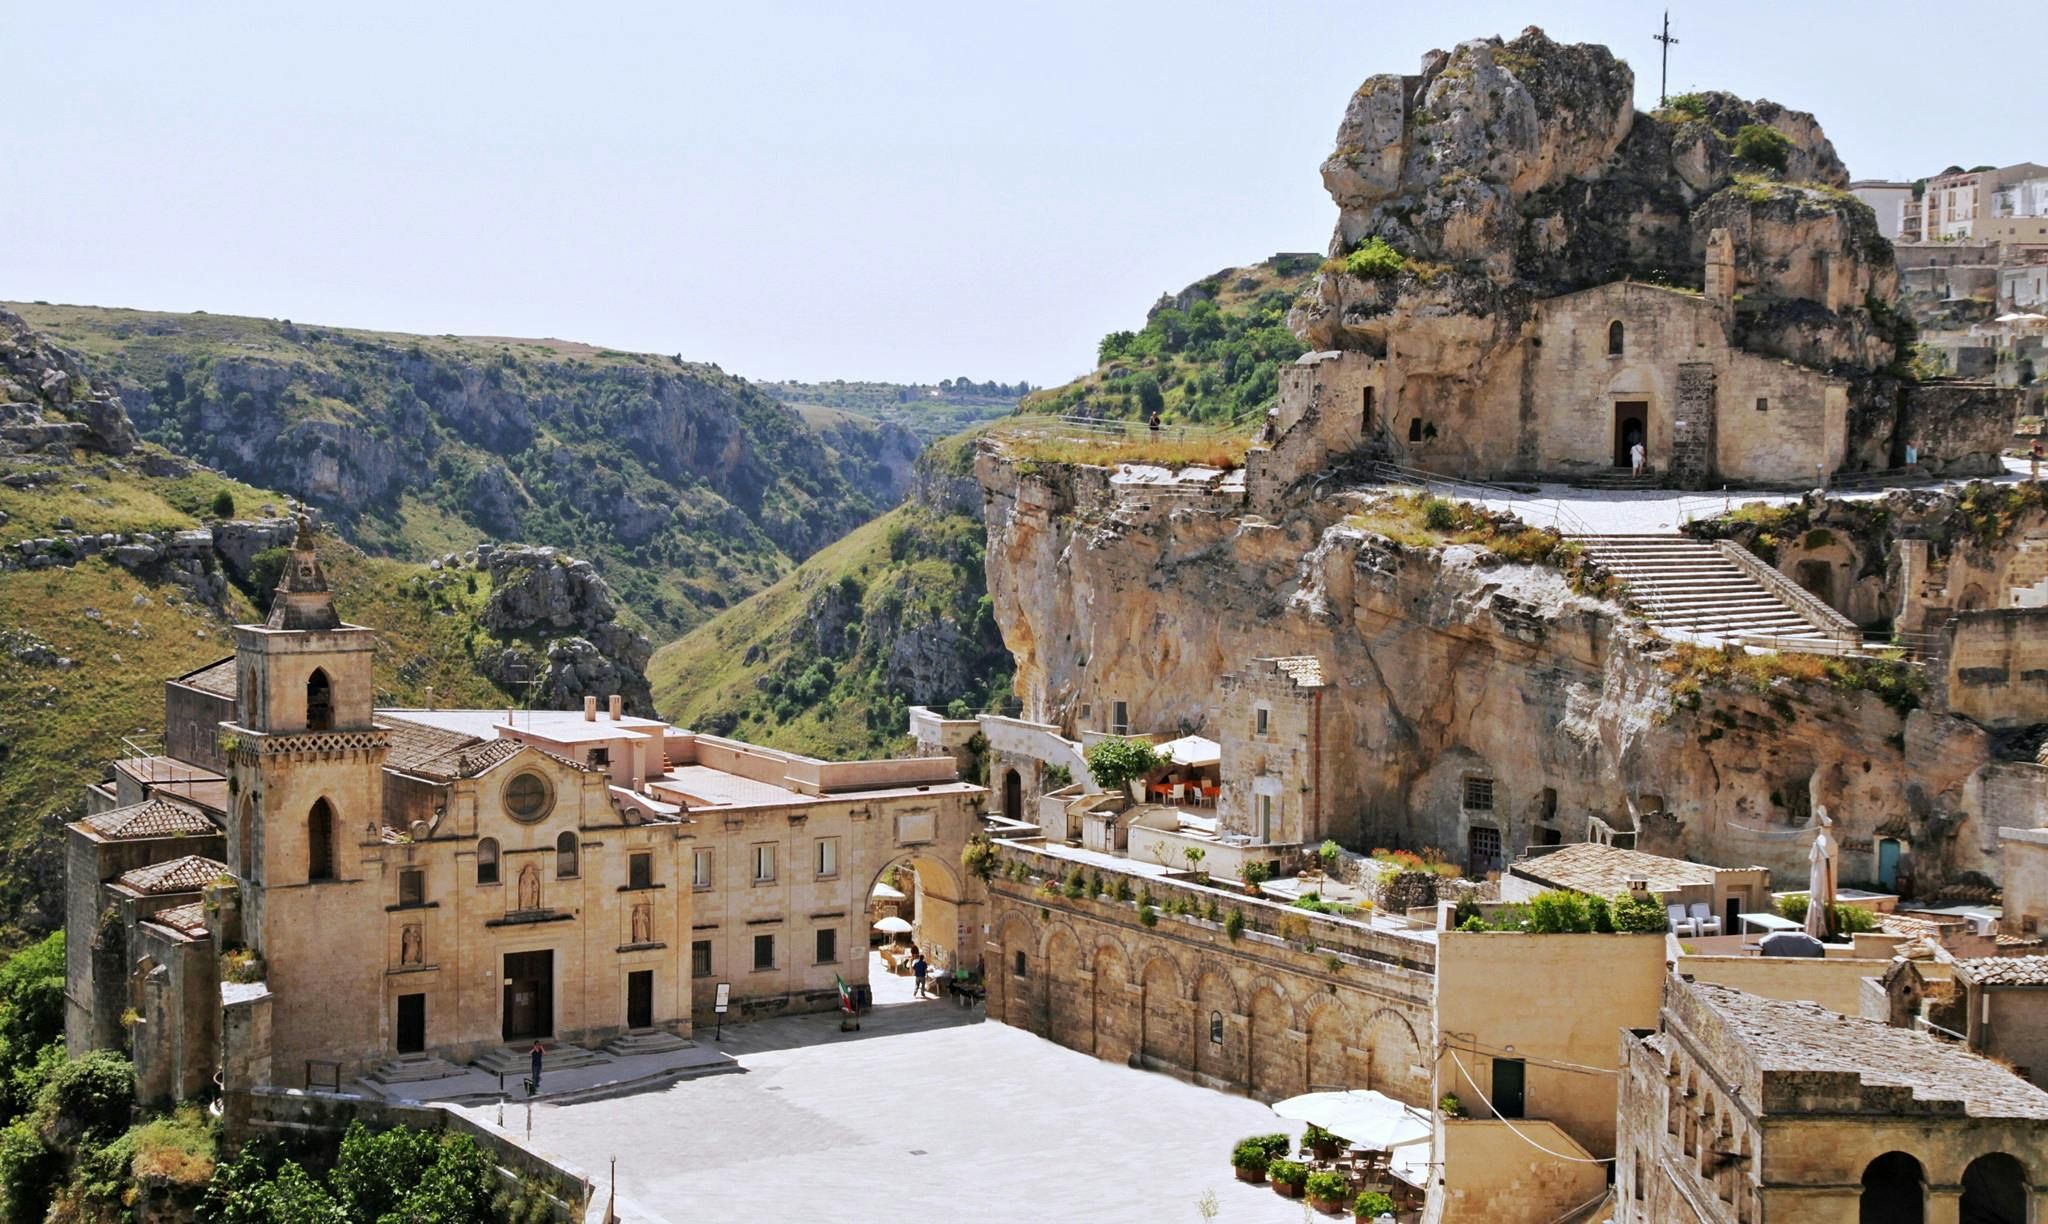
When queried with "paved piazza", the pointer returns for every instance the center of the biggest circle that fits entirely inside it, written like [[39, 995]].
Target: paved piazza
[[923, 1115]]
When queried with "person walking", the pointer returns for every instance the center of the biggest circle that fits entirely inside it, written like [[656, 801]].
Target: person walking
[[1635, 459], [538, 1052], [918, 969], [1155, 422]]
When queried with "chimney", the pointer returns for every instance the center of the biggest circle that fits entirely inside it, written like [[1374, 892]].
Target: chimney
[[618, 707], [590, 709]]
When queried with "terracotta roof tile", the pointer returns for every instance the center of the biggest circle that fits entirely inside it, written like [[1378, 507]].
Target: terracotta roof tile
[[2005, 970], [190, 873], [416, 746], [151, 818], [1599, 870], [187, 919]]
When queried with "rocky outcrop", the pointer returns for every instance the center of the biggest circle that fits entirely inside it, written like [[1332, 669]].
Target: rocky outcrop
[[561, 620], [48, 403], [1446, 663], [202, 560]]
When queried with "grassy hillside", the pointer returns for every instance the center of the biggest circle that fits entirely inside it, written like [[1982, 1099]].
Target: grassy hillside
[[688, 487], [826, 660], [1209, 353], [929, 410]]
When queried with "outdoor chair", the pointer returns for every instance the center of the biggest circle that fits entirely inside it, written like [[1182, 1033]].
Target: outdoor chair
[[1681, 925], [1704, 922]]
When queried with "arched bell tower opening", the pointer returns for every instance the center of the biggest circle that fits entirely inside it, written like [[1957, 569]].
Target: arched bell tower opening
[[319, 702]]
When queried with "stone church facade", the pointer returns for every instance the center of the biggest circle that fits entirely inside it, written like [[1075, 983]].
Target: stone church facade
[[329, 885]]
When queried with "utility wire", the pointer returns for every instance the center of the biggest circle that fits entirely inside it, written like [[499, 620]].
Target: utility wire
[[1504, 1121]]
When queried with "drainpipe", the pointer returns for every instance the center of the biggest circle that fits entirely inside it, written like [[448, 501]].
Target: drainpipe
[[1315, 759]]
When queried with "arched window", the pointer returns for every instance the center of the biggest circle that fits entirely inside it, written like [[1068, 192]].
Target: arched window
[[1215, 1028], [320, 841], [1894, 1191], [319, 702], [487, 861], [1995, 1191], [565, 857], [1021, 963], [1614, 338]]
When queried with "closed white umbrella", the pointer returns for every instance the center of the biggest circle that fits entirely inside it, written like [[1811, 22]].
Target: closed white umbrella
[[1820, 884], [885, 892], [1368, 1119], [893, 925]]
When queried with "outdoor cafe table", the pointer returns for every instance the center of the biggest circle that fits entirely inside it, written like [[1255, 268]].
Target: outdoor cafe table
[[1766, 924]]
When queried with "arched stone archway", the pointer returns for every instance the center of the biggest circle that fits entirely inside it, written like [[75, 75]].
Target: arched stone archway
[[1276, 1069], [1327, 1062], [1163, 1015], [1396, 1065], [1069, 1000], [1010, 993], [1115, 1037], [1217, 1040], [1994, 1191], [946, 910]]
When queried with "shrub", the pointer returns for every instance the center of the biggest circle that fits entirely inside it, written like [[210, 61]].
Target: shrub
[[1640, 915], [223, 504], [1076, 884], [1147, 915], [1327, 854], [1289, 1173], [1115, 763], [1474, 923], [979, 859], [1327, 1186], [1763, 145], [1439, 515], [1371, 1204], [1852, 919], [90, 1097], [1374, 259], [1450, 1105], [1601, 914], [1251, 1156], [1557, 912], [1255, 873], [27, 1169], [1123, 889], [1687, 105], [1792, 906], [1315, 1137], [1233, 926]]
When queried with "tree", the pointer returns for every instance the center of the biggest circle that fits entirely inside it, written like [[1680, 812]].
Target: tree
[[1763, 145], [1150, 398], [223, 504], [1115, 763]]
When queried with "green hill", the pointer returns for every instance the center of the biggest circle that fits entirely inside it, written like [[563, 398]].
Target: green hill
[[688, 487], [826, 660], [930, 410]]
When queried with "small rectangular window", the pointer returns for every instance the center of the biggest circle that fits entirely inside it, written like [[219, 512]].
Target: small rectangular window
[[1259, 721], [1120, 718], [700, 870], [412, 887], [828, 857], [1763, 403], [764, 951], [828, 945], [600, 758], [764, 864], [700, 958], [640, 871], [1479, 794]]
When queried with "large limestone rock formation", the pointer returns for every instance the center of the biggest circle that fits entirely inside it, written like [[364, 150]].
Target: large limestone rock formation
[[46, 401], [563, 611]]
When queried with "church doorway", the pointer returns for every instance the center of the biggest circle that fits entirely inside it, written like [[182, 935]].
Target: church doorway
[[1631, 425], [1013, 795], [640, 999], [529, 995], [412, 1023]]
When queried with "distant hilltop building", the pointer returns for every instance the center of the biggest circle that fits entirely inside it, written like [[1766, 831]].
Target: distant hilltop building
[[304, 887]]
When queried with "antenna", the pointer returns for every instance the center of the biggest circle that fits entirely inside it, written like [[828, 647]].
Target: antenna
[[1664, 71]]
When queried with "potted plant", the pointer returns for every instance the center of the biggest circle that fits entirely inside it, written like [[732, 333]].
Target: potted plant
[[1326, 1191], [1371, 1205], [1287, 1177], [1254, 874], [1249, 1160], [1319, 1143], [1450, 1106]]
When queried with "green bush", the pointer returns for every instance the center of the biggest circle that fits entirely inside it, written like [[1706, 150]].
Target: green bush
[[1601, 915], [28, 1168], [1439, 515], [1289, 1173], [1474, 923], [1251, 1156], [90, 1098], [1326, 1186], [979, 858], [223, 504], [1640, 915], [1147, 915], [1371, 1204], [1763, 145], [1233, 926], [1314, 1137], [1792, 906], [1374, 259], [1328, 854], [1558, 912], [1852, 919], [1114, 763], [1076, 884]]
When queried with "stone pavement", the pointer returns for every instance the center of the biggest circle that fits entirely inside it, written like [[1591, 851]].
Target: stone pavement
[[616, 1075], [928, 1113]]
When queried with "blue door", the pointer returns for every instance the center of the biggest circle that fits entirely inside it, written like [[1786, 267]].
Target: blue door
[[1888, 863]]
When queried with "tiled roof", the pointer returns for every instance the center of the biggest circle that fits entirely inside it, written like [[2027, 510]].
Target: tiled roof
[[188, 919], [151, 818], [187, 874], [217, 678], [1796, 1037], [470, 762], [1305, 670], [416, 746], [2005, 970], [1599, 870]]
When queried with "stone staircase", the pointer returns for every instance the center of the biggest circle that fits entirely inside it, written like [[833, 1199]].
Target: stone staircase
[[1617, 478], [513, 1062], [413, 1069], [1692, 586], [646, 1041]]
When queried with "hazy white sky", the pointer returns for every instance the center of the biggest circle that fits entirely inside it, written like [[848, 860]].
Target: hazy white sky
[[904, 192]]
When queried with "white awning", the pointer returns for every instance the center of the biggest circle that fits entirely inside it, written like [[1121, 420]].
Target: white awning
[[1368, 1119], [1191, 750]]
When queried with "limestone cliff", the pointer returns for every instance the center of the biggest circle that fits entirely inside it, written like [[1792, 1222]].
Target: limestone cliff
[[1447, 662], [46, 401]]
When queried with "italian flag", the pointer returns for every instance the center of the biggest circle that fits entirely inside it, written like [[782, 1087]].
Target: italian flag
[[845, 994]]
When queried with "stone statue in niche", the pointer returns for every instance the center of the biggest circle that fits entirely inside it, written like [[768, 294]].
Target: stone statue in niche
[[529, 887], [411, 945], [643, 923]]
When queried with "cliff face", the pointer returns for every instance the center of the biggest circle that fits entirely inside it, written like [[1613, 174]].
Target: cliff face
[[46, 401], [1447, 662]]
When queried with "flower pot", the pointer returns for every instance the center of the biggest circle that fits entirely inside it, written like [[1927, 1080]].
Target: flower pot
[[1285, 1190], [1325, 1151], [1333, 1206], [1254, 1176]]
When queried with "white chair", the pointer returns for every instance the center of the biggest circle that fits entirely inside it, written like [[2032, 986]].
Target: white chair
[[1681, 925], [1703, 920]]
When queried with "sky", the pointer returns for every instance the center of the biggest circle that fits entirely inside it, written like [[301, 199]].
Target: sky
[[906, 193]]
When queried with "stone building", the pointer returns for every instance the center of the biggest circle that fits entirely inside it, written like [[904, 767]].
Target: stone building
[[2005, 1010], [1746, 1110], [1269, 728], [379, 883]]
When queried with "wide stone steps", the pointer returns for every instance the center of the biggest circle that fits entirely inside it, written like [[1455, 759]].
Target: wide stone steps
[[518, 1060], [650, 1041], [1686, 585], [412, 1069]]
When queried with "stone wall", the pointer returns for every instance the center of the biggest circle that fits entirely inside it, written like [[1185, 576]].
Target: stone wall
[[1994, 666], [1260, 1014], [1835, 983], [1491, 1174], [1961, 428]]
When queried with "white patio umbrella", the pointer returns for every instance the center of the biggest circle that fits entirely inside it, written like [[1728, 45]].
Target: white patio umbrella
[[893, 925], [1820, 884], [1368, 1119]]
